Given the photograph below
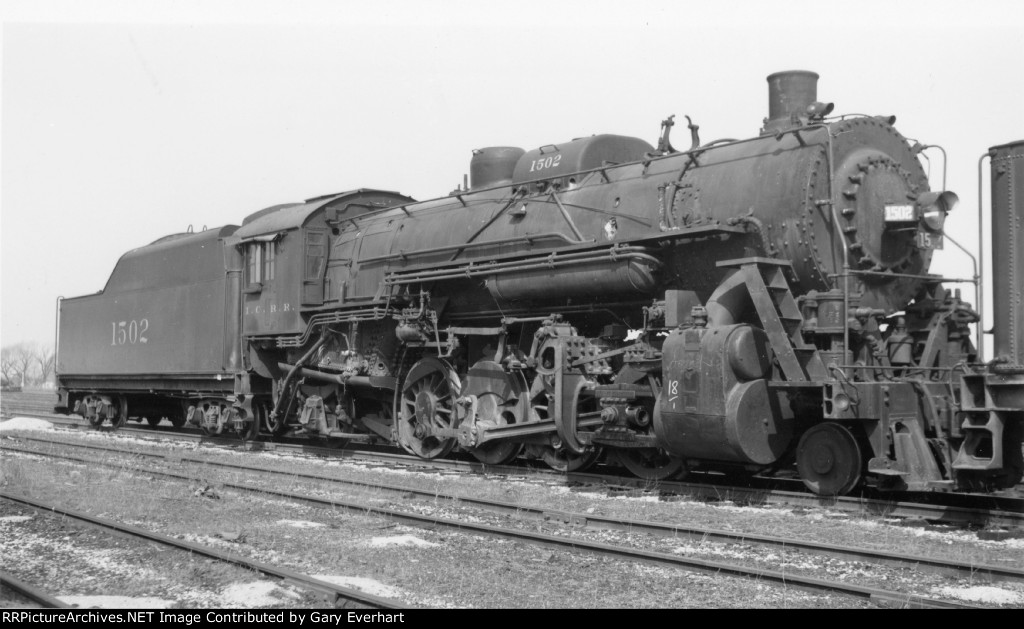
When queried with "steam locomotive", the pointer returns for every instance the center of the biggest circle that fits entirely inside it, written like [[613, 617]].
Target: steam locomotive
[[741, 304]]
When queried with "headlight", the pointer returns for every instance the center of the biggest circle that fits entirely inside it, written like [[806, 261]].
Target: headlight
[[934, 206], [842, 401]]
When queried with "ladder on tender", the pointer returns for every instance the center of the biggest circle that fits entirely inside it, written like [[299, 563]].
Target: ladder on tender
[[780, 316]]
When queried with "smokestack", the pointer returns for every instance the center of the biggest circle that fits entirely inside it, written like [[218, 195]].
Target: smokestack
[[790, 95]]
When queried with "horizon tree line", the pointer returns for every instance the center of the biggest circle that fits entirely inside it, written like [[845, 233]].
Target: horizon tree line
[[27, 364]]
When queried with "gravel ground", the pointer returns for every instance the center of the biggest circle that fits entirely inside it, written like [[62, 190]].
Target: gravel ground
[[426, 567]]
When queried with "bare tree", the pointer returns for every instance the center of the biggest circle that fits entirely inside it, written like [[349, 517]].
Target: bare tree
[[44, 359], [18, 361], [7, 364]]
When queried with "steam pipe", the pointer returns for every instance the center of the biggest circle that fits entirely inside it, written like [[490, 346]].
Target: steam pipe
[[56, 337], [921, 148], [981, 265], [365, 382]]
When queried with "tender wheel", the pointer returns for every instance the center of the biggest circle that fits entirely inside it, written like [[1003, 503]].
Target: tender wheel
[[121, 417], [252, 428], [426, 403], [277, 426], [153, 420], [651, 463], [212, 428], [829, 459], [177, 417], [201, 409], [96, 420]]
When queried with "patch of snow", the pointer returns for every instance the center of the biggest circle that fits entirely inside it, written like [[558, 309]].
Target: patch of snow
[[116, 602], [25, 423], [762, 510], [639, 498], [401, 540], [983, 594], [821, 514], [711, 549], [206, 540], [949, 536], [16, 518], [260, 593], [301, 524], [370, 586]]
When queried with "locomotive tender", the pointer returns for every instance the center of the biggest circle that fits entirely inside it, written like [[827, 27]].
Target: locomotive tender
[[739, 304]]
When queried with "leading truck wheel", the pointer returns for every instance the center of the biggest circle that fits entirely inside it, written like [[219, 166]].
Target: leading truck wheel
[[829, 460]]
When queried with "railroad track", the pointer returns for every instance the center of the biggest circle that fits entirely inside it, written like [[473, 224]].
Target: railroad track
[[961, 509], [34, 595], [876, 595], [341, 596], [576, 520]]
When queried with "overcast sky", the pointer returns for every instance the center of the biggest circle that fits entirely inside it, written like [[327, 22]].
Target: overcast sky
[[126, 121]]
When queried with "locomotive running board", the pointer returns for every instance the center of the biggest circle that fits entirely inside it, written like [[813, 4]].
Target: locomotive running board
[[682, 233]]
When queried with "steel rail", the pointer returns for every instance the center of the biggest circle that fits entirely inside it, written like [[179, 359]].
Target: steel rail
[[31, 592], [995, 514], [901, 560], [288, 576]]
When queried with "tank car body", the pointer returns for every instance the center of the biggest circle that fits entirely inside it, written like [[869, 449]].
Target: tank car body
[[741, 303]]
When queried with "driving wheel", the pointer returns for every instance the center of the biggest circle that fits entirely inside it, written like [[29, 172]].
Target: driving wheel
[[427, 403], [651, 463]]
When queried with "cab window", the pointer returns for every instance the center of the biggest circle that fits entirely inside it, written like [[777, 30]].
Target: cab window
[[315, 252], [261, 262]]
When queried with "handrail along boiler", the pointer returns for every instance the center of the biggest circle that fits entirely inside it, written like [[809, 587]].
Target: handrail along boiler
[[740, 304]]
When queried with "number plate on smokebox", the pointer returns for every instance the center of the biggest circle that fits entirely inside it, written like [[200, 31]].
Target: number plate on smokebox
[[899, 214]]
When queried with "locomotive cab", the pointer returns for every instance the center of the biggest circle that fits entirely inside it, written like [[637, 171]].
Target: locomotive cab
[[273, 246], [291, 267]]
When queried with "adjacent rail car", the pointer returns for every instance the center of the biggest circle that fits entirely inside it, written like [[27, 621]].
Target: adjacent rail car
[[743, 304]]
